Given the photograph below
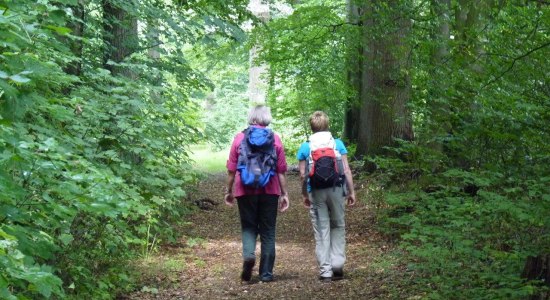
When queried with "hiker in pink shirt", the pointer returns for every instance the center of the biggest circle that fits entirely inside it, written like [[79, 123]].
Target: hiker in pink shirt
[[256, 177]]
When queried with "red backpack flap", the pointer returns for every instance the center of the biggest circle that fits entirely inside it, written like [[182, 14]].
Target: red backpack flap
[[322, 152], [318, 153]]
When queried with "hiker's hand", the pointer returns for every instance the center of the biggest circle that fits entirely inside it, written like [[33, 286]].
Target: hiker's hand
[[229, 199], [351, 199], [283, 202], [307, 203]]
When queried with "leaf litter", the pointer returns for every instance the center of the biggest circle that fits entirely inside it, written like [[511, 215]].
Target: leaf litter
[[208, 259]]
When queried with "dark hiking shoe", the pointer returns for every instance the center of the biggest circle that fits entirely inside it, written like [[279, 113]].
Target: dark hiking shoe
[[246, 274], [337, 274], [266, 279]]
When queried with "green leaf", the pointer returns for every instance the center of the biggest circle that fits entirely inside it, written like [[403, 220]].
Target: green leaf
[[69, 2], [66, 239], [59, 30], [6, 236], [19, 79], [5, 294]]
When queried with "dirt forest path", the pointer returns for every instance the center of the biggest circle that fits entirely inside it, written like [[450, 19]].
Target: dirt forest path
[[213, 270]]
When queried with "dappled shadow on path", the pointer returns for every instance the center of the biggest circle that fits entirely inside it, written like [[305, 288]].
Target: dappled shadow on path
[[212, 269]]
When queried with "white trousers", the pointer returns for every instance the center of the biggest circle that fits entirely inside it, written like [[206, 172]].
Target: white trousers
[[329, 227]]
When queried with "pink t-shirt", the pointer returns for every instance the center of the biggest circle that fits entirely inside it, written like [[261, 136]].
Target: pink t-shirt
[[272, 187]]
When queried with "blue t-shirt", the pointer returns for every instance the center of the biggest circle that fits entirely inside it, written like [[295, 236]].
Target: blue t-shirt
[[303, 153]]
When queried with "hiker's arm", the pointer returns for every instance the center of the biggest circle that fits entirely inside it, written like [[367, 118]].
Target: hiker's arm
[[228, 198], [349, 180], [303, 178], [231, 166], [282, 183], [284, 201], [302, 168]]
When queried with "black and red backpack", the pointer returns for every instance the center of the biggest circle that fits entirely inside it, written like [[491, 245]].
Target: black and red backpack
[[325, 163]]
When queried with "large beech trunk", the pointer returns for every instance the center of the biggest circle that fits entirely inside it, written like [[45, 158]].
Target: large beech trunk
[[385, 88]]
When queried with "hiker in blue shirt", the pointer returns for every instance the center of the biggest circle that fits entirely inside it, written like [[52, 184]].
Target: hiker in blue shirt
[[326, 185]]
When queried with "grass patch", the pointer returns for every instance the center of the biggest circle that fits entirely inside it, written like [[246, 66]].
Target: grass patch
[[159, 271], [208, 160]]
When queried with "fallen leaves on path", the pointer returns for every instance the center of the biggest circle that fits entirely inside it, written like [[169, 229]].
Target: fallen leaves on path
[[210, 257]]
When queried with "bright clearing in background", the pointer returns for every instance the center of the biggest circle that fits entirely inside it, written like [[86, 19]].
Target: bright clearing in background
[[208, 160]]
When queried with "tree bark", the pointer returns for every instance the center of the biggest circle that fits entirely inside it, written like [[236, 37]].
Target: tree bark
[[75, 43], [441, 9], [257, 85], [538, 268], [153, 52], [120, 37], [468, 21], [385, 88], [351, 123], [437, 102]]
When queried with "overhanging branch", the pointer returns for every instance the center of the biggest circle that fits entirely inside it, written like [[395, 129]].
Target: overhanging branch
[[514, 60]]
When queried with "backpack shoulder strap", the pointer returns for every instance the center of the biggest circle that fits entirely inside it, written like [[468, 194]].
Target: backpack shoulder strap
[[246, 132], [244, 148]]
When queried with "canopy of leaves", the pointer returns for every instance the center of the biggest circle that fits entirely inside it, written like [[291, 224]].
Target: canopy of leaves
[[306, 54]]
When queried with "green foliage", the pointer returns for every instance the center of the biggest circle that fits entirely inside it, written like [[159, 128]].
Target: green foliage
[[209, 160], [473, 245], [94, 160], [23, 274], [469, 197], [225, 106], [93, 164], [306, 54]]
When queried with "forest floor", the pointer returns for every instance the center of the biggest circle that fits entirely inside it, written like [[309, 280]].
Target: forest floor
[[206, 263]]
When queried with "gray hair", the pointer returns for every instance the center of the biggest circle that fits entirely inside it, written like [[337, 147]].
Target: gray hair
[[259, 115]]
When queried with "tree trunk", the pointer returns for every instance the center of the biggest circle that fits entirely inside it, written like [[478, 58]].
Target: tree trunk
[[120, 37], [468, 21], [385, 88], [75, 44], [153, 39], [441, 9], [538, 268], [466, 53], [437, 102], [351, 126], [257, 85], [351, 123]]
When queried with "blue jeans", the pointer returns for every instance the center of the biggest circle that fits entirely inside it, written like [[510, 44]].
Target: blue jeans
[[259, 217]]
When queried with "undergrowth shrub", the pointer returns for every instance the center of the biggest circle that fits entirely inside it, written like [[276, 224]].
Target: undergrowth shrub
[[467, 233], [93, 168]]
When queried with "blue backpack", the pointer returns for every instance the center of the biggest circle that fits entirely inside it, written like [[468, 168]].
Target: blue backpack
[[257, 157]]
